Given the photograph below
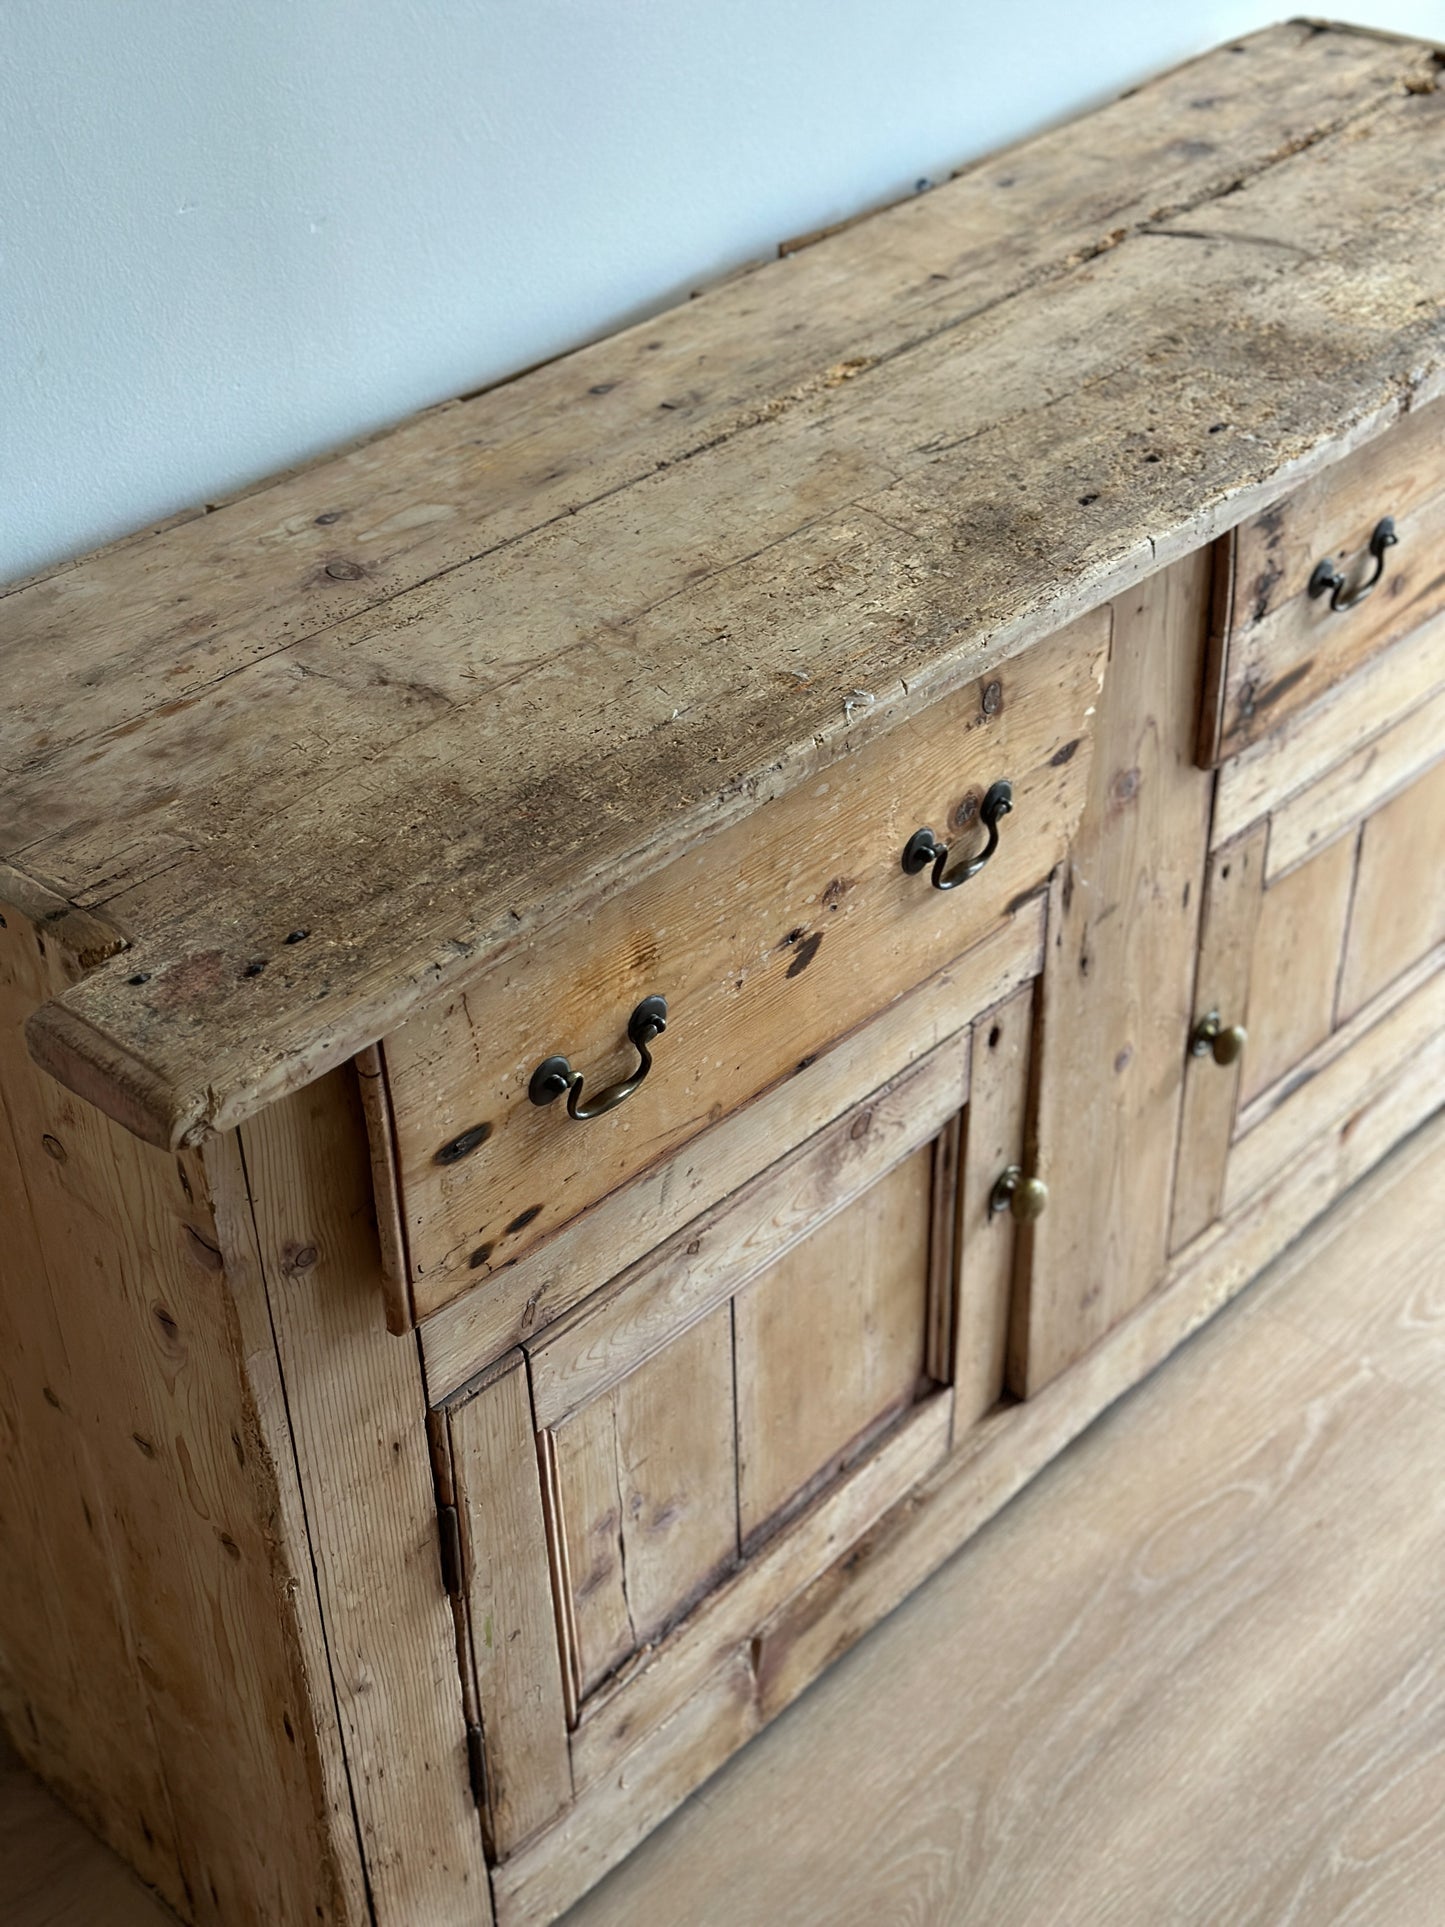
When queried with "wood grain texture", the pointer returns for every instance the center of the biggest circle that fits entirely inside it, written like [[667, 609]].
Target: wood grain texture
[[708, 1261], [537, 1883], [245, 1278], [1294, 965], [153, 1667], [830, 1342], [1146, 1613], [848, 517], [522, 1300], [1398, 911], [647, 1490], [1233, 892], [1328, 1085], [1222, 1653], [68, 1672], [1287, 647], [1118, 990], [623, 1712], [823, 1620], [995, 1136], [1358, 786], [509, 1605], [1307, 746], [769, 942], [390, 1225], [358, 1417]]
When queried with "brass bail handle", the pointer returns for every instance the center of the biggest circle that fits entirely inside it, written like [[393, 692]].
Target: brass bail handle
[[1327, 579], [923, 847], [554, 1075]]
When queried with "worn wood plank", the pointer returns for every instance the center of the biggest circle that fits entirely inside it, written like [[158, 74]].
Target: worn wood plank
[[390, 1225], [709, 1260], [236, 1238], [1307, 746], [357, 1411], [768, 942], [1287, 648], [398, 865], [1233, 893], [647, 1489], [1294, 965], [625, 1710], [830, 1342], [994, 1138], [1398, 912], [523, 1299], [1117, 997], [510, 1610], [475, 474], [1357, 787], [70, 1689], [1332, 1081], [552, 1871], [155, 1670]]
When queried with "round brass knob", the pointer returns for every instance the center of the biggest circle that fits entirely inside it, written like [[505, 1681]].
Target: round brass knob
[[1223, 1042], [1024, 1198]]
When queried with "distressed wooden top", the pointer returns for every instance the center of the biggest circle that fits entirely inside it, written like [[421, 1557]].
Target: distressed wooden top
[[426, 697]]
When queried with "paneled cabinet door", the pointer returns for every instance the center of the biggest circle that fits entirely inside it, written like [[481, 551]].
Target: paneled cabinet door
[[1321, 974], [644, 1484]]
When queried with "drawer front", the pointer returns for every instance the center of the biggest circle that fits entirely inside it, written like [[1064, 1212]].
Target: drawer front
[[1278, 647], [769, 943], [1330, 950], [641, 1487], [520, 1302]]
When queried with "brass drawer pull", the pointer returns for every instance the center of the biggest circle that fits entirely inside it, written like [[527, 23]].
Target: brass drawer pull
[[1223, 1042], [1327, 578], [1023, 1198], [554, 1075], [923, 847]]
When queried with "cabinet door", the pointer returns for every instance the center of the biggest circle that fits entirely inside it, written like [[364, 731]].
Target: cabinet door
[[1324, 941], [641, 1486]]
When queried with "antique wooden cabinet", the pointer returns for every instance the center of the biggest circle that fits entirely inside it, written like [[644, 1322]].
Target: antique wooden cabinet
[[622, 1008]]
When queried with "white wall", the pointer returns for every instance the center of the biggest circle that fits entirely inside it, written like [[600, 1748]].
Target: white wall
[[235, 232]]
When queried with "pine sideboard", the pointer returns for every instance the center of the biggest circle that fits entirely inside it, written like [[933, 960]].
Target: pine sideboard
[[623, 1007]]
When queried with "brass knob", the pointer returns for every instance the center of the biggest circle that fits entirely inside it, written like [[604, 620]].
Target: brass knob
[[1223, 1042], [1023, 1197]]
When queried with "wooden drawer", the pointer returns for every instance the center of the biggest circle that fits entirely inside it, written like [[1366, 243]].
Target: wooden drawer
[[645, 1484], [769, 942], [1324, 936], [1276, 647]]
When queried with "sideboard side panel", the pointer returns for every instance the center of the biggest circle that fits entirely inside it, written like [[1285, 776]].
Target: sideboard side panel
[[150, 1664]]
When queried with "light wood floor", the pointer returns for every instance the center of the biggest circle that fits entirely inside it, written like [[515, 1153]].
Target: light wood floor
[[1195, 1674]]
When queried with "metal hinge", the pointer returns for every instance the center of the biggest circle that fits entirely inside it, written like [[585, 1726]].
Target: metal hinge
[[477, 1765], [450, 1531]]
